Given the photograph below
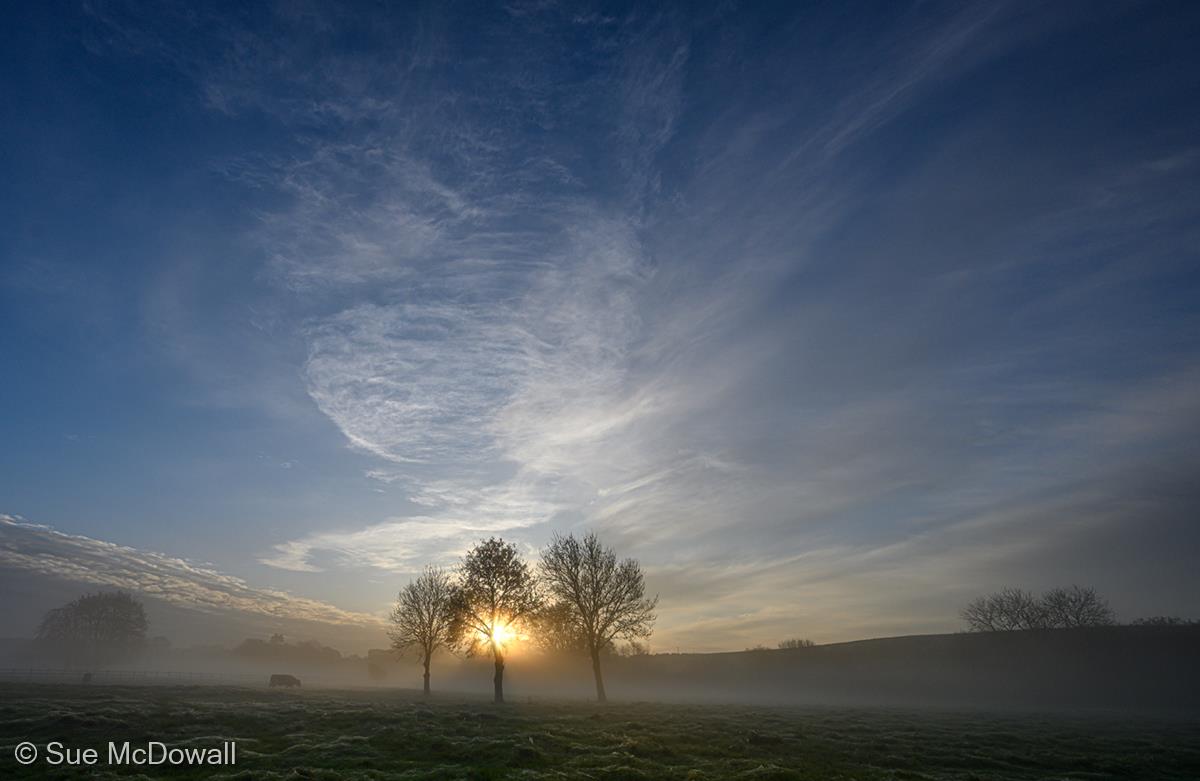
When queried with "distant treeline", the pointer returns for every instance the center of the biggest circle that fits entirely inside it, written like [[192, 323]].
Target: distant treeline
[[576, 603], [1073, 607]]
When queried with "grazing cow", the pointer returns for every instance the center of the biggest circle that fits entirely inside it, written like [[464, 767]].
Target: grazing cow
[[286, 681]]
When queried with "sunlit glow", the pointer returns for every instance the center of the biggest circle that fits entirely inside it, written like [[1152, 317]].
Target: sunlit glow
[[503, 635]]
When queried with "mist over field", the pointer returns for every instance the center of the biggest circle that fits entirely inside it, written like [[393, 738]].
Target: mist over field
[[546, 388]]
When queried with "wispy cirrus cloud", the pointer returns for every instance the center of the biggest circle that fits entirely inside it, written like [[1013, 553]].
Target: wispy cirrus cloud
[[528, 339], [792, 325], [491, 303], [462, 511]]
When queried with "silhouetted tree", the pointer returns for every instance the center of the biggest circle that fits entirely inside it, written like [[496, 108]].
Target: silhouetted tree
[[796, 642], [1077, 606], [607, 598], [1006, 610], [1059, 608], [498, 594], [427, 616], [97, 628]]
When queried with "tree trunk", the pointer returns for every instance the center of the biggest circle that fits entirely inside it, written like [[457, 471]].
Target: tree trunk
[[427, 674], [499, 679], [600, 696]]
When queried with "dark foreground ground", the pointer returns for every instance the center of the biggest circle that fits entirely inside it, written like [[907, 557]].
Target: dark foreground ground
[[396, 735]]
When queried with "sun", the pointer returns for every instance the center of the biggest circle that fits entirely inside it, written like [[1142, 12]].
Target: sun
[[502, 634]]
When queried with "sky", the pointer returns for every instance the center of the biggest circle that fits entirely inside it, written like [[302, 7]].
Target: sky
[[833, 315]]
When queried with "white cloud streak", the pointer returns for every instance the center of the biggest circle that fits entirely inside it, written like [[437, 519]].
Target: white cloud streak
[[39, 549]]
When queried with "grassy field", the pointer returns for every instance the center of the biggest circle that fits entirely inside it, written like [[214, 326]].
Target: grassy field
[[396, 735]]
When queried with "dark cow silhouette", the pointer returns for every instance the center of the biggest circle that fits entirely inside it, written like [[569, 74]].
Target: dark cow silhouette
[[286, 681]]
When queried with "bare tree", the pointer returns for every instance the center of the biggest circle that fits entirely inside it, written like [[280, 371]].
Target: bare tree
[[1007, 609], [1076, 606], [607, 598], [1059, 608], [427, 616], [498, 594], [982, 614]]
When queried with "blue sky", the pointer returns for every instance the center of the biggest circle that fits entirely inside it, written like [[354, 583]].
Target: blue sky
[[834, 315]]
